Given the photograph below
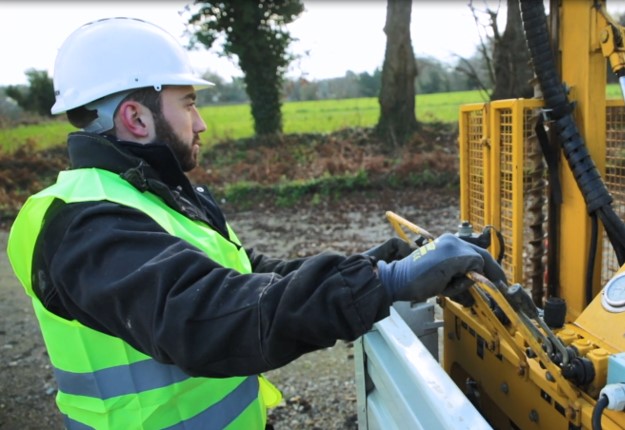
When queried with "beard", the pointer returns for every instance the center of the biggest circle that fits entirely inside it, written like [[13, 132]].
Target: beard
[[185, 153]]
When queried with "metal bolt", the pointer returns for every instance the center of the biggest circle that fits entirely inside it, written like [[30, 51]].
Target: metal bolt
[[504, 388], [533, 416]]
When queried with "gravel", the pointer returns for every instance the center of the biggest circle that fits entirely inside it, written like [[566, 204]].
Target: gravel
[[318, 388]]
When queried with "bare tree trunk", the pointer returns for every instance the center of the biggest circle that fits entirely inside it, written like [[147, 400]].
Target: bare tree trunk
[[397, 95], [511, 59]]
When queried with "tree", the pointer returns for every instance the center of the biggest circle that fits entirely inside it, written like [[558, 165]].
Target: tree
[[511, 59], [38, 97], [477, 71], [432, 76], [501, 66], [255, 32], [222, 92], [9, 109], [369, 85], [397, 94]]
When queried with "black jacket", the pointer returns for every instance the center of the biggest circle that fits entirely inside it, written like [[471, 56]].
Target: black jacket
[[116, 270]]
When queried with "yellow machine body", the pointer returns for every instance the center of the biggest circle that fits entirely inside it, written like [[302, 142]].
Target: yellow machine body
[[505, 184]]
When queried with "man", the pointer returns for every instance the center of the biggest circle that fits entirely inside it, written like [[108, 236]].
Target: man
[[153, 313]]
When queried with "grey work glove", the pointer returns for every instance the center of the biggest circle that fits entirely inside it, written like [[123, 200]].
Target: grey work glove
[[492, 270], [391, 250], [435, 268]]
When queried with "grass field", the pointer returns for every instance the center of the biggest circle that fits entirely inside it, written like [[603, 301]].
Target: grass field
[[322, 116], [235, 121]]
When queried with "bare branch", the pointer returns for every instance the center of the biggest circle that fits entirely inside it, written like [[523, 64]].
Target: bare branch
[[483, 47], [468, 70]]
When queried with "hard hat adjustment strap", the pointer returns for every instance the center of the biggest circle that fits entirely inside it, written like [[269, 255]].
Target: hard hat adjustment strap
[[105, 108]]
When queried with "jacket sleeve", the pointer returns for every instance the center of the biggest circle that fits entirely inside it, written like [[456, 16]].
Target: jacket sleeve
[[262, 263], [115, 270]]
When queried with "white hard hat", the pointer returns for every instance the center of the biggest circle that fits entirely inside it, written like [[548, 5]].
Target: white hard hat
[[117, 54]]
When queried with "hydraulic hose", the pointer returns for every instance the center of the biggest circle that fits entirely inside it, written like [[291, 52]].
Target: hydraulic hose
[[594, 238], [596, 196], [597, 412]]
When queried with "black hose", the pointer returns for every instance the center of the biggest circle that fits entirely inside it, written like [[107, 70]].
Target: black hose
[[597, 411], [594, 236], [598, 199]]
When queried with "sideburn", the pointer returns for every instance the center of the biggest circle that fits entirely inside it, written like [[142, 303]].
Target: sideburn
[[165, 134]]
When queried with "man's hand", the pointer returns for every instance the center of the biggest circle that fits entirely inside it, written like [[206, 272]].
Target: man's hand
[[458, 290], [437, 268], [391, 250]]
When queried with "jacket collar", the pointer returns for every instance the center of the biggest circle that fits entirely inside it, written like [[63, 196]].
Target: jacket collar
[[106, 152], [152, 167]]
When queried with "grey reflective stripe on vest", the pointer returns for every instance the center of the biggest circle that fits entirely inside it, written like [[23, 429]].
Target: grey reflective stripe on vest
[[222, 413], [119, 380], [216, 417]]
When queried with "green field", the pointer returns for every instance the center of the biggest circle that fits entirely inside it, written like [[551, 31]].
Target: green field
[[235, 121], [322, 116], [613, 91]]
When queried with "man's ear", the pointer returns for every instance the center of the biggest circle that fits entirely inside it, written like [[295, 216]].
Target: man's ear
[[134, 122]]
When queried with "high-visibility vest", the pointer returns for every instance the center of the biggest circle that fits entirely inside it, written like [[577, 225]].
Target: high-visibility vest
[[103, 382]]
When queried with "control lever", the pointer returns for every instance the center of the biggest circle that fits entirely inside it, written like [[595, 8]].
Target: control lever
[[522, 303]]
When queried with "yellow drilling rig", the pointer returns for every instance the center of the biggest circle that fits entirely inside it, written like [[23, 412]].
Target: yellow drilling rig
[[547, 175]]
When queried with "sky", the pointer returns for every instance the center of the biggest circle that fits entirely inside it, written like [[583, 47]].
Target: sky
[[333, 36]]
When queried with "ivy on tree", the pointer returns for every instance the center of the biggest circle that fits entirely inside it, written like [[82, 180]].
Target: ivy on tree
[[255, 32]]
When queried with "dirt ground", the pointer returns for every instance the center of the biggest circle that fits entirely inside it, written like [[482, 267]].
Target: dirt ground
[[319, 388]]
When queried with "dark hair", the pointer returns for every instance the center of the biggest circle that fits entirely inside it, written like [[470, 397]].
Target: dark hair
[[81, 117], [148, 97]]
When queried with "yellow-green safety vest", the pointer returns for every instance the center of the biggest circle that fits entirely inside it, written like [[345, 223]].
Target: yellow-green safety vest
[[103, 382]]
